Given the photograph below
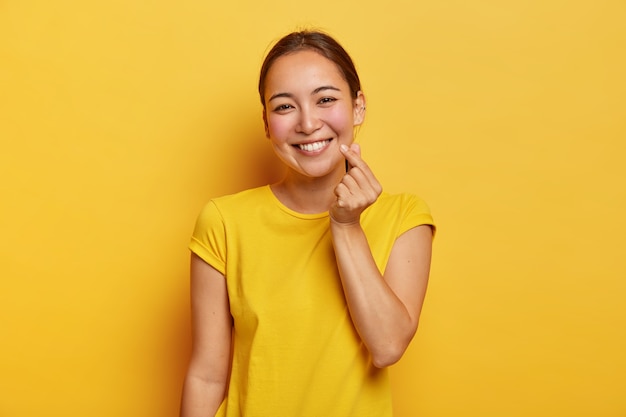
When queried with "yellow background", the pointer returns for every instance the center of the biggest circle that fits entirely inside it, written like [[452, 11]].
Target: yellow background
[[120, 118]]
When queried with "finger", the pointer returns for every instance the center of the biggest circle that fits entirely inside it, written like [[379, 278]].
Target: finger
[[351, 193], [351, 182], [364, 177], [356, 148], [358, 189], [343, 194], [356, 179], [354, 158], [342, 191], [353, 155]]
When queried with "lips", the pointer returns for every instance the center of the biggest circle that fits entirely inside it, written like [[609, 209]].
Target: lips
[[313, 146]]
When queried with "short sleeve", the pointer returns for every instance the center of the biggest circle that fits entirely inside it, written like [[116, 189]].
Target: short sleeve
[[417, 214], [208, 240]]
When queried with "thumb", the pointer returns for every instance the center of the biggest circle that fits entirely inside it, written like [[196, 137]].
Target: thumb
[[356, 148]]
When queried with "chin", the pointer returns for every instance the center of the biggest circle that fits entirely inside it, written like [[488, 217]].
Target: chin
[[320, 172]]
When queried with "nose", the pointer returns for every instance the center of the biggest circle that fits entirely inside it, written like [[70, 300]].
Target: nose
[[309, 121]]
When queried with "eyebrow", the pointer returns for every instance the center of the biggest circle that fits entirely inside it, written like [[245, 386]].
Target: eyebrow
[[317, 90]]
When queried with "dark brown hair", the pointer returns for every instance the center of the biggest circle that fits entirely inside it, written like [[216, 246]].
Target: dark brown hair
[[316, 41]]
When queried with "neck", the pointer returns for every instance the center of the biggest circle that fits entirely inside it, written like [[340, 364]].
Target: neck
[[307, 195]]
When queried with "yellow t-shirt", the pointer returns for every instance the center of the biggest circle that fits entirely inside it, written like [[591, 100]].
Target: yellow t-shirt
[[296, 352]]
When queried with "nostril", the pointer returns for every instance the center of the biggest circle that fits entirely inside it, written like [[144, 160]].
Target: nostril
[[309, 124]]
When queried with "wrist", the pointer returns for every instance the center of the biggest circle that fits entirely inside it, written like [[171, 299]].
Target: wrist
[[342, 224]]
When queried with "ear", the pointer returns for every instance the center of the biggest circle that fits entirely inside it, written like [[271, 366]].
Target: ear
[[267, 129], [359, 108]]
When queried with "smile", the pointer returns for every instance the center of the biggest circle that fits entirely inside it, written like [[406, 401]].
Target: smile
[[313, 146]]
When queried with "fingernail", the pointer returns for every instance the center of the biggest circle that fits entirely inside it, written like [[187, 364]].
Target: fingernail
[[344, 148]]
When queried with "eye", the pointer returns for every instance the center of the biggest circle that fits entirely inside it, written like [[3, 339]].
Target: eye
[[327, 100], [283, 108]]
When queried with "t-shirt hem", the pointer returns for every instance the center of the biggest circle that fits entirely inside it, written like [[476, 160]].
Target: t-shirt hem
[[422, 219], [196, 247]]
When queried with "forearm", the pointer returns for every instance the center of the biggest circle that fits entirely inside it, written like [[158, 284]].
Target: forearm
[[201, 398], [381, 319]]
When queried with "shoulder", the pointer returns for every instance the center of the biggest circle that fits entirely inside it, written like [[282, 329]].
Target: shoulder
[[249, 196], [239, 201], [404, 209], [231, 205], [401, 201]]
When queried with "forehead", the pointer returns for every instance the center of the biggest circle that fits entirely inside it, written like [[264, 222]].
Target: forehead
[[301, 70]]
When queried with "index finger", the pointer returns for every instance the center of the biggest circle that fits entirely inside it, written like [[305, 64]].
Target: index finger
[[353, 157]]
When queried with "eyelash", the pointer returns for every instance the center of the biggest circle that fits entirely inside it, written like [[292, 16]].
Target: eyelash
[[283, 107], [323, 100]]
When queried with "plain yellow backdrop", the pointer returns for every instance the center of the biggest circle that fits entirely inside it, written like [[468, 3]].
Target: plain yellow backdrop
[[120, 119]]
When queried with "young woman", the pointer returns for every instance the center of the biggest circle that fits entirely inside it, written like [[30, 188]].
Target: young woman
[[304, 291]]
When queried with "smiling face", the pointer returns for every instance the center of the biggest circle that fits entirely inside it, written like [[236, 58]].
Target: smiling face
[[309, 113]]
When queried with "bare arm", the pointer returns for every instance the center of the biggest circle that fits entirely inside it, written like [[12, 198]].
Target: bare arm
[[385, 308], [209, 367]]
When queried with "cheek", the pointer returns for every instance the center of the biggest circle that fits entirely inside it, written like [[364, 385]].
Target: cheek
[[340, 119], [278, 126]]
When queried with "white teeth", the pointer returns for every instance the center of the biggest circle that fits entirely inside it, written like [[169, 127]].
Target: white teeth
[[315, 146]]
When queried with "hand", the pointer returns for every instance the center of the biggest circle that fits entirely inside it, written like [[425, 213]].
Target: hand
[[357, 190]]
